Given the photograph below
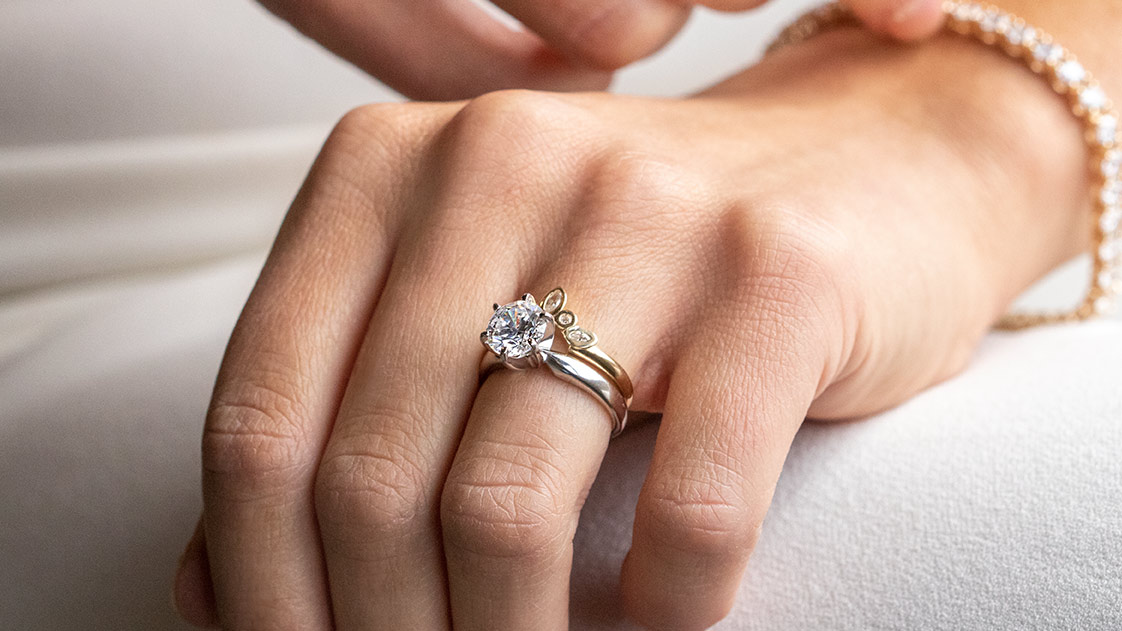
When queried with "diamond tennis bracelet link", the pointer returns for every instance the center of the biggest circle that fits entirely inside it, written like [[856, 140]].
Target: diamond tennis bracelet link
[[990, 25]]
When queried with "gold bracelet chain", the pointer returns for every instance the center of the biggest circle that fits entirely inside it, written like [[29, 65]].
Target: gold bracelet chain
[[1039, 52]]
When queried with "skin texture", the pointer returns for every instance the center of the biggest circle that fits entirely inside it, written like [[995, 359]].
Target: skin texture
[[453, 49], [824, 234]]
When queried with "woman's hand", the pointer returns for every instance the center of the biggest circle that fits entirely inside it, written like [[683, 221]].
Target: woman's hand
[[827, 233], [455, 49]]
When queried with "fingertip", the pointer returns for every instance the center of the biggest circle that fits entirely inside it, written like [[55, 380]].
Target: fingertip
[[192, 593], [626, 32], [916, 19], [905, 20], [657, 601]]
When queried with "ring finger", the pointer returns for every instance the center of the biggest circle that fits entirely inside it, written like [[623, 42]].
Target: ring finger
[[533, 443]]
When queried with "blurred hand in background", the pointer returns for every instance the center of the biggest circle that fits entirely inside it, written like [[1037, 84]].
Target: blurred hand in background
[[456, 49]]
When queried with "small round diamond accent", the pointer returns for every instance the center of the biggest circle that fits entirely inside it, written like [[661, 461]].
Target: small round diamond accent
[[1106, 280], [515, 329], [1110, 195], [1112, 163], [1047, 53], [1071, 72], [1106, 129], [1110, 249], [1103, 305], [566, 318], [1092, 98], [1110, 220]]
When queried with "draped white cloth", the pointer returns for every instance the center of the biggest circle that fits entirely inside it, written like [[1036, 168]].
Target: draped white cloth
[[147, 153]]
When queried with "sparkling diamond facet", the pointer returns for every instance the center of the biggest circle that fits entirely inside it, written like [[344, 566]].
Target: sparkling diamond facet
[[515, 329]]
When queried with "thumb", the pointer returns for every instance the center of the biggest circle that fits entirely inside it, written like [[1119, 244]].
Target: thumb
[[902, 19]]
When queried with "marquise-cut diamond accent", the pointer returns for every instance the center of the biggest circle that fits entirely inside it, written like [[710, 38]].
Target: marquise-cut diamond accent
[[516, 329], [554, 300]]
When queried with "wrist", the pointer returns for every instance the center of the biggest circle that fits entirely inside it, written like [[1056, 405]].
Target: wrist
[[1009, 140]]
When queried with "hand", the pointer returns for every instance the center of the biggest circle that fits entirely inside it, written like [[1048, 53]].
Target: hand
[[455, 49], [827, 233]]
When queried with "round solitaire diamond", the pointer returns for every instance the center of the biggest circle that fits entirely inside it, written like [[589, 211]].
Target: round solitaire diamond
[[515, 329]]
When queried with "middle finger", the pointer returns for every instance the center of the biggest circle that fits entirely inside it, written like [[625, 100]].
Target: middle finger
[[409, 394]]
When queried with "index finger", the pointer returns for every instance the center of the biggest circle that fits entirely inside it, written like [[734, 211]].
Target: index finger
[[436, 51]]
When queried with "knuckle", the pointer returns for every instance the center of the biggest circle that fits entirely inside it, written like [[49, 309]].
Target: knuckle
[[373, 134], [373, 492], [515, 127], [359, 170], [702, 519], [254, 444], [636, 190], [498, 507], [793, 264]]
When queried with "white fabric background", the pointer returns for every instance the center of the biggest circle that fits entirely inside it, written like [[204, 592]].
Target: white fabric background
[[147, 153]]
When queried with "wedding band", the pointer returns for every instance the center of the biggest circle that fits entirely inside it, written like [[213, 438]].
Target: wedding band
[[525, 334]]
